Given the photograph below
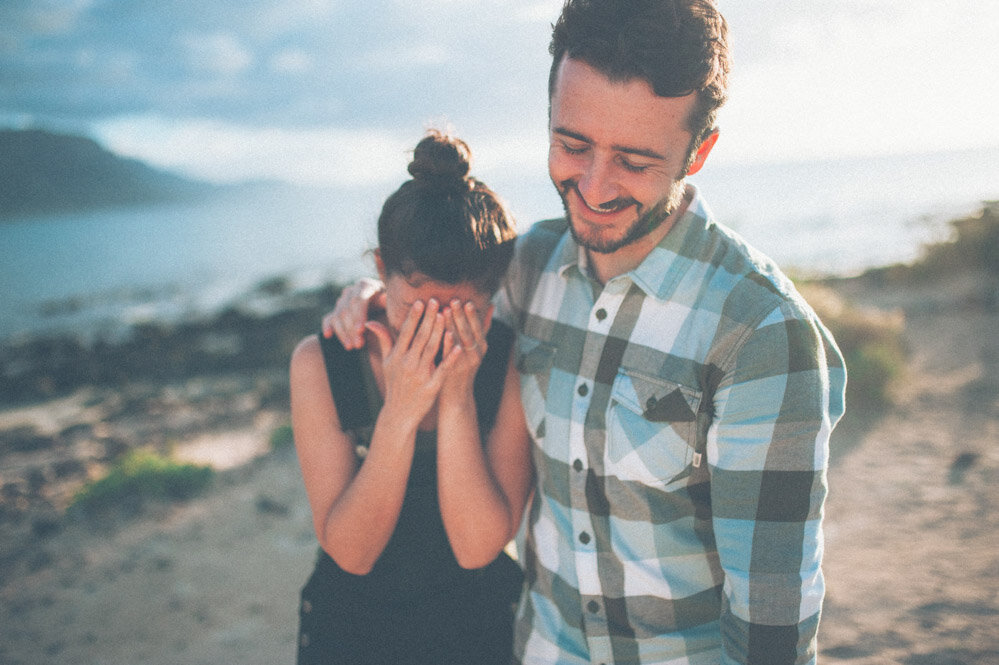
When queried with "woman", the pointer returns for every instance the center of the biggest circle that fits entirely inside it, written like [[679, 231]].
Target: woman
[[414, 492]]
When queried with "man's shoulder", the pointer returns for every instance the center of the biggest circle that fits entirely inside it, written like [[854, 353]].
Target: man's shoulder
[[748, 283], [537, 244]]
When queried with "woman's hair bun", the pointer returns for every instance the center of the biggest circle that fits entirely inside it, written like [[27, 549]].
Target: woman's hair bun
[[440, 157]]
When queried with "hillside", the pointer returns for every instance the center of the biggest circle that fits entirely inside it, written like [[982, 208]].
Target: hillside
[[43, 172]]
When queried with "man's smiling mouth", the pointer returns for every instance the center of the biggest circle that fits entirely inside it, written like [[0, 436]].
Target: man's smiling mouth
[[608, 208]]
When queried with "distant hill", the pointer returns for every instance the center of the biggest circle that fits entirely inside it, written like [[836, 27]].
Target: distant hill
[[42, 172]]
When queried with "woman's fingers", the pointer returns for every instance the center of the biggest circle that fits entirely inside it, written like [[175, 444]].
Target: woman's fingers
[[467, 328], [430, 336], [410, 324]]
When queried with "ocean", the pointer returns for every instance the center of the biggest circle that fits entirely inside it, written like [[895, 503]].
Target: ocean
[[96, 273]]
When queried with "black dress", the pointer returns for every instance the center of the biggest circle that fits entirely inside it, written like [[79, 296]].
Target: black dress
[[417, 605]]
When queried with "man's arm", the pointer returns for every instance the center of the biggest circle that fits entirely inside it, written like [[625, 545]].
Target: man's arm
[[768, 452]]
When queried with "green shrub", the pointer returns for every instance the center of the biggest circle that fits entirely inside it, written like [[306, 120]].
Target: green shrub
[[282, 438], [974, 244], [871, 343], [142, 475]]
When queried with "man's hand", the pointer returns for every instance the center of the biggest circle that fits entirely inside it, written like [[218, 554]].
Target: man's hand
[[352, 311]]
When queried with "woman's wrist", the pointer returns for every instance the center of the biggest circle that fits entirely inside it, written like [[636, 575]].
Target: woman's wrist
[[400, 425], [456, 396]]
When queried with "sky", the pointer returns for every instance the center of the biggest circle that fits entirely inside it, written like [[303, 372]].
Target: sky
[[334, 92]]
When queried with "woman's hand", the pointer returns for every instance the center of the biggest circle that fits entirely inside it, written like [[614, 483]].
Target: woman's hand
[[465, 347], [412, 378]]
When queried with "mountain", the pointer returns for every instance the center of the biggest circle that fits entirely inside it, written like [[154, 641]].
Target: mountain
[[42, 172]]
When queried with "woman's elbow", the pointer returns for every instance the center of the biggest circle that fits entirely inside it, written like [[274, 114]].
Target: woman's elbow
[[479, 556], [470, 562], [355, 565]]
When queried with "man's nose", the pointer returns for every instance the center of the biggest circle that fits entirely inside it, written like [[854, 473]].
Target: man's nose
[[596, 184]]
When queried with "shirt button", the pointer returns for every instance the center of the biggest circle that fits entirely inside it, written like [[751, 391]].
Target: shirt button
[[601, 314], [650, 404], [583, 390], [593, 606], [584, 538], [578, 465]]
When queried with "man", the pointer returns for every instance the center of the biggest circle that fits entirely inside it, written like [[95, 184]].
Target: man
[[679, 392]]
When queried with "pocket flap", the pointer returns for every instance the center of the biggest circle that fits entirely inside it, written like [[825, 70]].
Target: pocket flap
[[654, 399]]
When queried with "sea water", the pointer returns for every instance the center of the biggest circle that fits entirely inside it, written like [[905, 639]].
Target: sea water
[[101, 271]]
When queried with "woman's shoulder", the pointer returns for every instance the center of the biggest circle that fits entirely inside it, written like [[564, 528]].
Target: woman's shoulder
[[307, 352], [310, 362]]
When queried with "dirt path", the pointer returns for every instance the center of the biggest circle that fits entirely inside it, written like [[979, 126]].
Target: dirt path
[[213, 581], [912, 558]]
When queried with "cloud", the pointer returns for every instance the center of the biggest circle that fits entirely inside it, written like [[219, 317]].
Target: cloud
[[210, 150], [43, 17], [413, 55], [844, 76], [291, 61], [218, 53], [298, 63], [861, 77]]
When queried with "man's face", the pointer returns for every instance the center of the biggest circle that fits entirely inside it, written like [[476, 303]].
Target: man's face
[[617, 154]]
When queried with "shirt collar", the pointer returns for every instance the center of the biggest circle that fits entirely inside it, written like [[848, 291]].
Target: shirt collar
[[660, 271]]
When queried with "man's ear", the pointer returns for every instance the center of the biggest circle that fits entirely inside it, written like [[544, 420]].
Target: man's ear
[[702, 152]]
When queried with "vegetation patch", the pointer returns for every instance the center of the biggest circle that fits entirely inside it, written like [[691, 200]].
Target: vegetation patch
[[973, 245], [140, 476], [871, 343], [282, 438]]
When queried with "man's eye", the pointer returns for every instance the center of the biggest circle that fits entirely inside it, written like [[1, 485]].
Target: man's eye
[[574, 150], [634, 168]]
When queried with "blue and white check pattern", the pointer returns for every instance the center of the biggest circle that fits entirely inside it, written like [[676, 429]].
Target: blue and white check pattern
[[681, 416]]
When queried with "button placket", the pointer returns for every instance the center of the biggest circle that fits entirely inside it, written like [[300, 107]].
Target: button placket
[[605, 308]]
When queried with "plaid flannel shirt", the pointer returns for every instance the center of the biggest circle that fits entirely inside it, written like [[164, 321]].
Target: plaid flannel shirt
[[681, 415]]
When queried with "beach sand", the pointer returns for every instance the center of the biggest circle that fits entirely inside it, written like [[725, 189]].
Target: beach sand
[[911, 561]]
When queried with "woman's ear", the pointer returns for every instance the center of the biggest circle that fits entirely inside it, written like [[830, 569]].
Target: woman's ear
[[379, 264]]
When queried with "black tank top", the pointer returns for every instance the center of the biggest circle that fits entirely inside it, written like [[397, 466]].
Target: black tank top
[[417, 562]]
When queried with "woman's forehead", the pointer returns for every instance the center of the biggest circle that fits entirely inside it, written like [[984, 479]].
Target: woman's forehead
[[418, 286]]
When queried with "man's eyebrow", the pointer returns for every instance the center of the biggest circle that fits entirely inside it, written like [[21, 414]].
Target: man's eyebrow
[[640, 152]]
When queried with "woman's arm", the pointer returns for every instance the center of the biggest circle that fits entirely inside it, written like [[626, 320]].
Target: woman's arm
[[482, 491], [355, 508]]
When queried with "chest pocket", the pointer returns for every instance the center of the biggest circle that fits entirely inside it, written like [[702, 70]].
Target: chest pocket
[[534, 364], [651, 429]]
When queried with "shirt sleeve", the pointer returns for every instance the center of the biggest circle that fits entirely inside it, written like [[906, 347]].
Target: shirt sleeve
[[768, 453]]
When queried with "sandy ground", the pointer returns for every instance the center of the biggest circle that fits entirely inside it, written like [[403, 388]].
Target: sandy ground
[[912, 558]]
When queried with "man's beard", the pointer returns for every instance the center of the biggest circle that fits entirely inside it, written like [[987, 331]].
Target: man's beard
[[647, 221]]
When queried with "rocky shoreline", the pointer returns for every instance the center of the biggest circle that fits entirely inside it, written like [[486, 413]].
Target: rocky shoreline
[[70, 408]]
